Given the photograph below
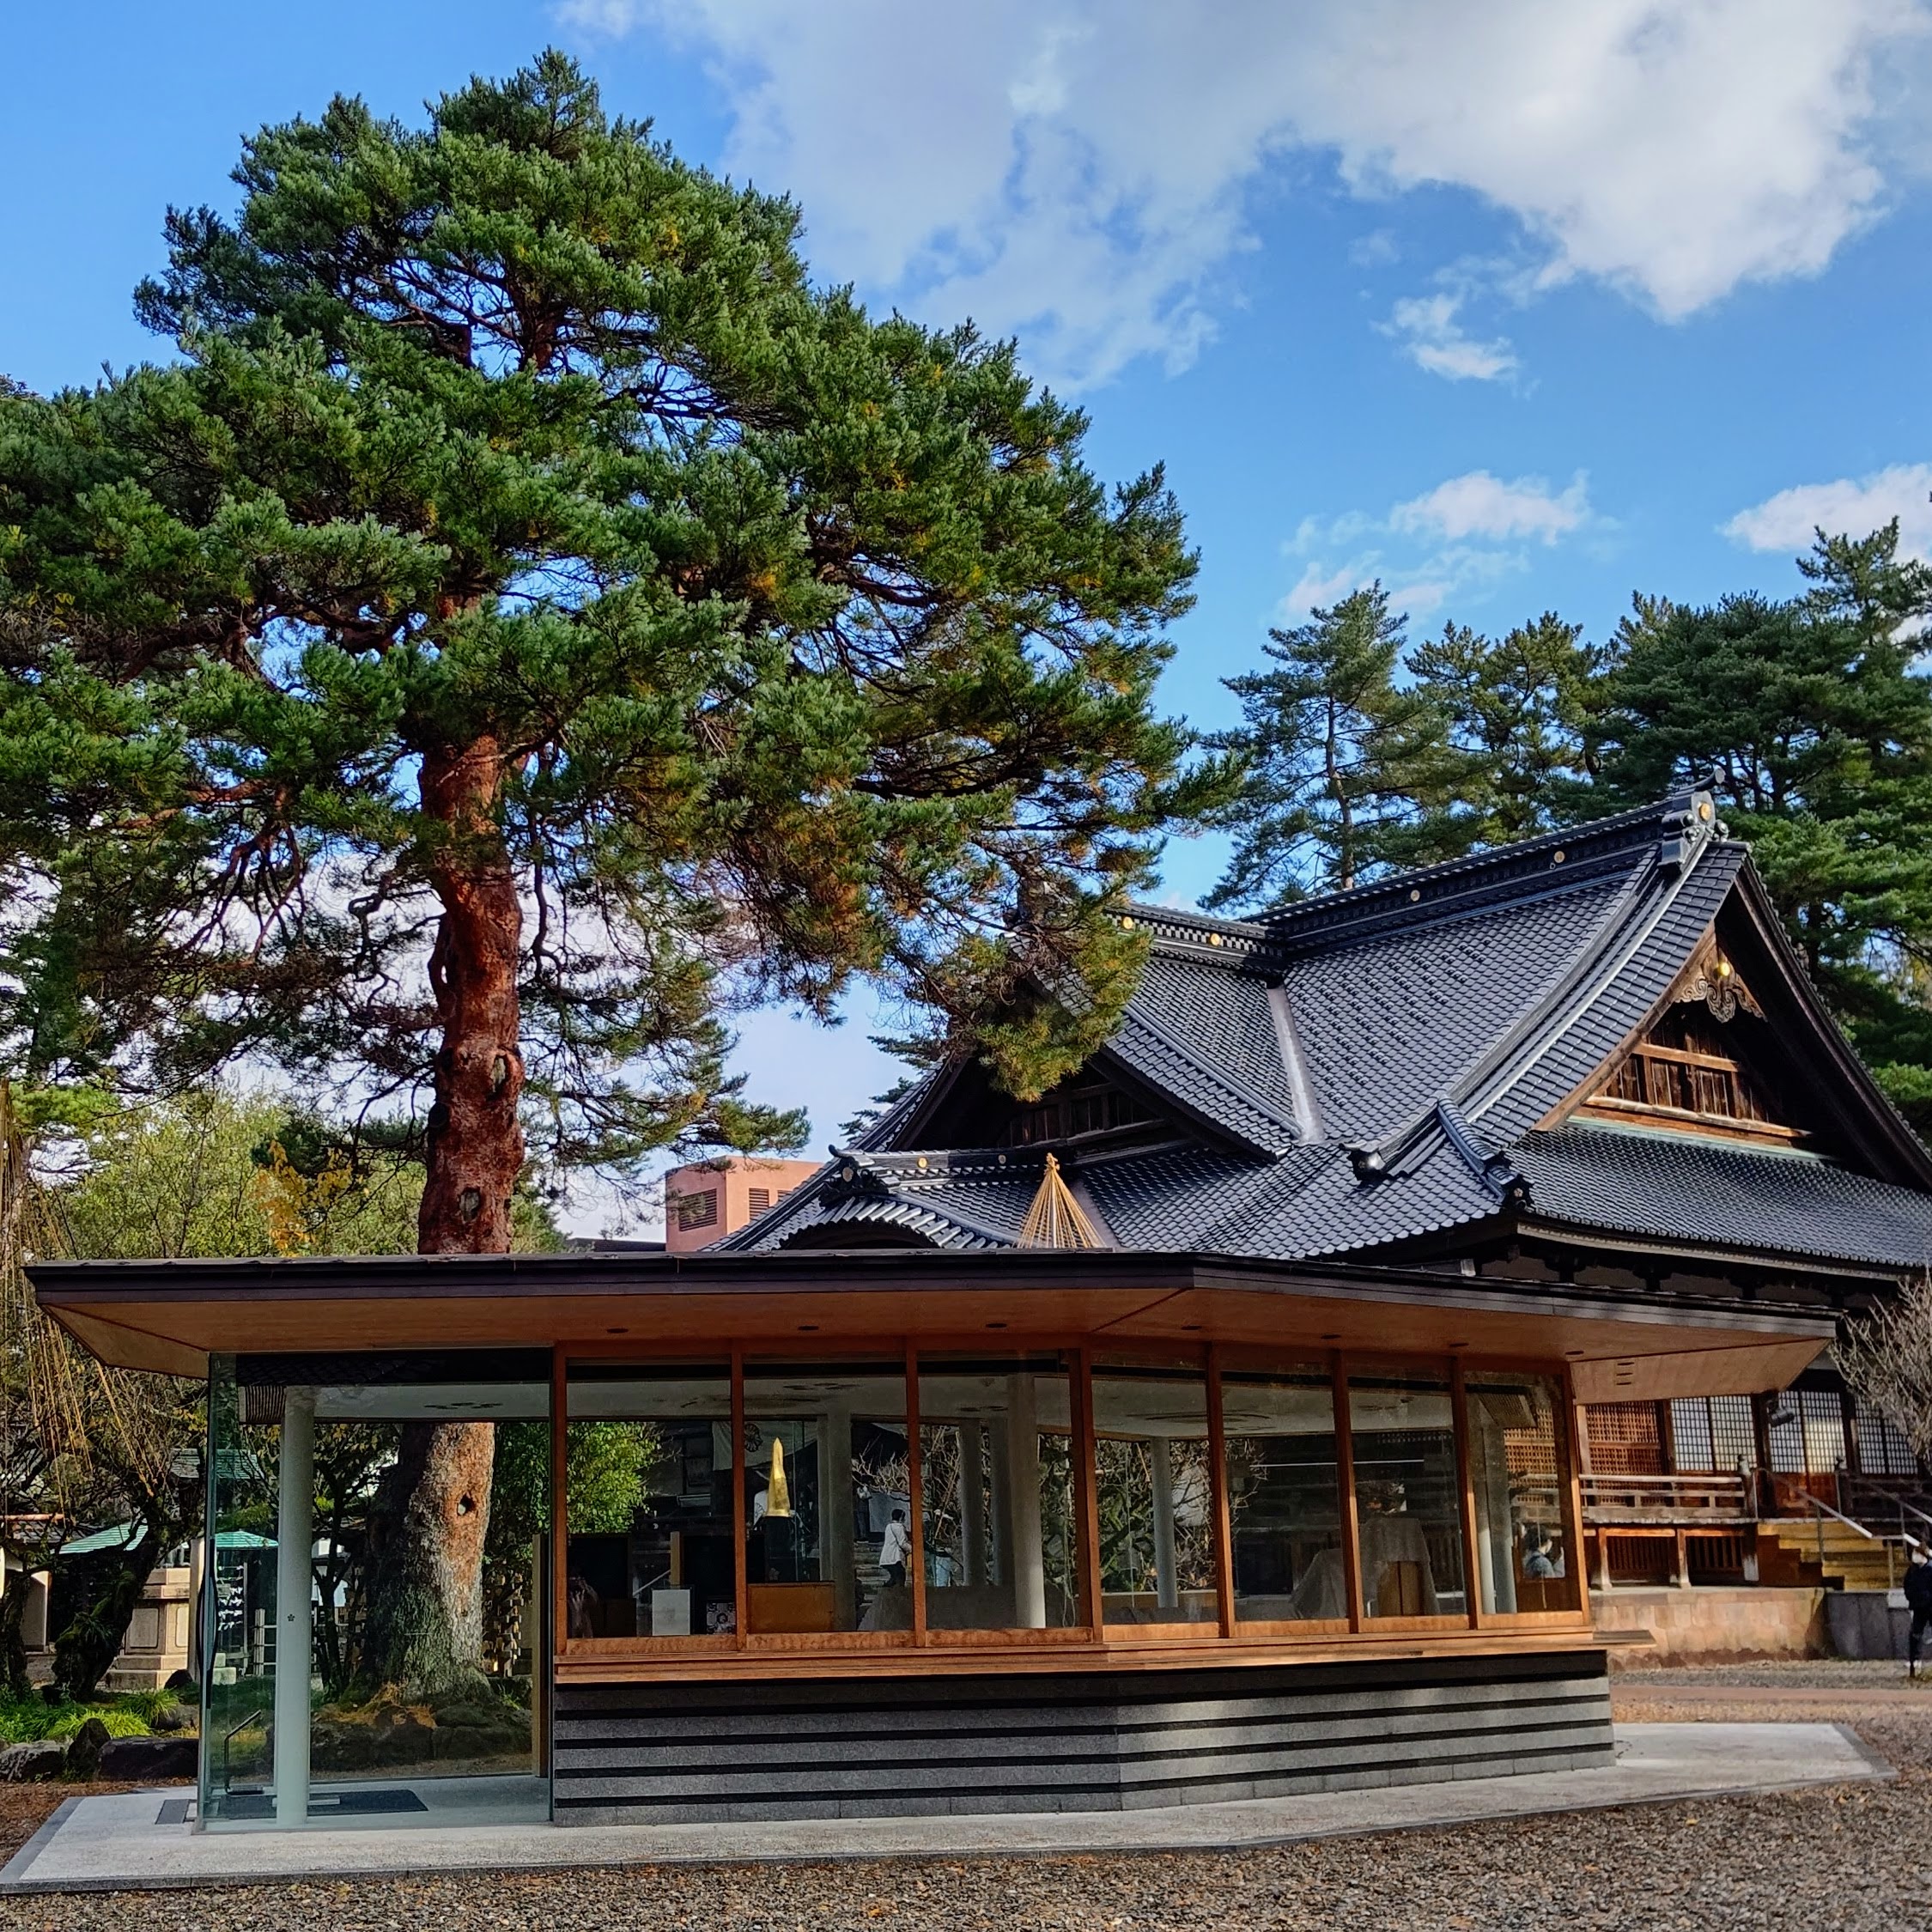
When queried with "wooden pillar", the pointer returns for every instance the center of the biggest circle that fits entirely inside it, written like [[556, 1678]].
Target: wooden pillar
[[1218, 1490], [1351, 1532], [1682, 1541]]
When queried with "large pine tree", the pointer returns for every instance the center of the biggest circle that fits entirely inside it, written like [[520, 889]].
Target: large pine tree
[[1343, 763], [528, 616]]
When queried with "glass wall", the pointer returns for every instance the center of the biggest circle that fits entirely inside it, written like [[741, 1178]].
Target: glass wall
[[374, 1610], [647, 1487], [999, 1519], [828, 1508], [1519, 1469], [1408, 1495], [1284, 1494], [1154, 1495], [819, 1521]]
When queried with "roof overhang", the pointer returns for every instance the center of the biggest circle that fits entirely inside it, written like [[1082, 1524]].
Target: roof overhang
[[171, 1315]]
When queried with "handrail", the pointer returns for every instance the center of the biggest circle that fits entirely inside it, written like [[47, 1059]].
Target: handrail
[[1822, 1509], [228, 1737]]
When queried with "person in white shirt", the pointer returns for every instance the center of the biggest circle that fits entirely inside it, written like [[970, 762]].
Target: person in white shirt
[[893, 1549]]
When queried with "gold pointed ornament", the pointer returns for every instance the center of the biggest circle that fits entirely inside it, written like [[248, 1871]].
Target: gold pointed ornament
[[778, 1493], [1055, 1219]]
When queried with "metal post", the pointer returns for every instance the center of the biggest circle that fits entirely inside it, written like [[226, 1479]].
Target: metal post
[[294, 1531]]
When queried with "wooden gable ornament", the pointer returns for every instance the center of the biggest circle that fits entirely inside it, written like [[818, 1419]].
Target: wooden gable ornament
[[1693, 1068]]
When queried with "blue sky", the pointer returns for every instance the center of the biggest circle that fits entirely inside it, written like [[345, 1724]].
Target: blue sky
[[1518, 307]]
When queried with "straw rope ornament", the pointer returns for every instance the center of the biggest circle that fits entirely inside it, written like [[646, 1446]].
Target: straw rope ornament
[[1056, 1218]]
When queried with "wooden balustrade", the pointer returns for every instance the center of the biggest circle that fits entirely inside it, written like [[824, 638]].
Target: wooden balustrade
[[1720, 1498]]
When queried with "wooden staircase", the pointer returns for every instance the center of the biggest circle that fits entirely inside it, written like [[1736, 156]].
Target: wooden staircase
[[1848, 1557]]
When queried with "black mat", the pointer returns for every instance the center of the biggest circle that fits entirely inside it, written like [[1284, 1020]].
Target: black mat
[[386, 1803]]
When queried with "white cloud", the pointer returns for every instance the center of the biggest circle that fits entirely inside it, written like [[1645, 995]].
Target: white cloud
[[1459, 540], [1433, 338], [1788, 521], [1081, 169], [1480, 505]]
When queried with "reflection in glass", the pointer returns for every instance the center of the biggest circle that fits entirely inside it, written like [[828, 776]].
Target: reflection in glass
[[1284, 1495], [239, 1609], [648, 1476], [1153, 1496], [1519, 1468], [1408, 1507], [997, 1490], [828, 1515]]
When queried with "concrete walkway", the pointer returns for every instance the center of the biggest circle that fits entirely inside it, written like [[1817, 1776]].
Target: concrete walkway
[[118, 1843]]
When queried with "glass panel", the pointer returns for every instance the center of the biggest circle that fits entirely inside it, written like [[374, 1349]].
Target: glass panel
[[1520, 1470], [997, 1483], [648, 1477], [827, 1473], [238, 1606], [1284, 1494], [408, 1522], [1407, 1495], [1154, 1496]]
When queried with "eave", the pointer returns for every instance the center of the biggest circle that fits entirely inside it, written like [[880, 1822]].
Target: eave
[[172, 1315]]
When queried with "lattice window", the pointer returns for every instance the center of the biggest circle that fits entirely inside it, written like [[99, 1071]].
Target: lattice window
[[1625, 1439], [1070, 1112], [1882, 1448], [1709, 1433], [1810, 1441], [1691, 1446]]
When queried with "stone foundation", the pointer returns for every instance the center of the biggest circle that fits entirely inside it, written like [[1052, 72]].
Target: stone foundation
[[1083, 1741], [1712, 1626]]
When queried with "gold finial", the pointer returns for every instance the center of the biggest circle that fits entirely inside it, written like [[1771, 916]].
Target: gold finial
[[778, 1493], [1054, 1220]]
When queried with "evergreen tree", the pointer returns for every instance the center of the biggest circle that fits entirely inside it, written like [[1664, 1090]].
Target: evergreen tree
[[1519, 709], [528, 616], [1344, 768], [1813, 724]]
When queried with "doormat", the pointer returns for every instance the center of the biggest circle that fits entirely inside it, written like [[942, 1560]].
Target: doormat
[[249, 1807]]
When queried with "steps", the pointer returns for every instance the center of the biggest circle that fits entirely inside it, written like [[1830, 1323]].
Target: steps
[[1852, 1560]]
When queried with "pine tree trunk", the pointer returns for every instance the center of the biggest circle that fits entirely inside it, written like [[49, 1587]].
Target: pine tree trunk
[[424, 1633], [100, 1590], [425, 1623]]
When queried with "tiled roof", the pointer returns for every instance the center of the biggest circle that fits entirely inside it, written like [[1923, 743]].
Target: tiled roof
[[1675, 1187], [1378, 1066]]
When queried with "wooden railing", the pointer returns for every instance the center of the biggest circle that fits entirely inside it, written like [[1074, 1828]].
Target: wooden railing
[[1716, 1498]]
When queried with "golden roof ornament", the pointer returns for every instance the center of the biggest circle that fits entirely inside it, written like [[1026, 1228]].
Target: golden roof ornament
[[1055, 1219], [778, 1492]]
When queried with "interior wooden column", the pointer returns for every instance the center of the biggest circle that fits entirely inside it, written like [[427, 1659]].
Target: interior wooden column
[[1218, 1494], [1344, 1465]]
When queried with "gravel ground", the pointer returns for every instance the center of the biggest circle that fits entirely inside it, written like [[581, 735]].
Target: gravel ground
[[1853, 1856]]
